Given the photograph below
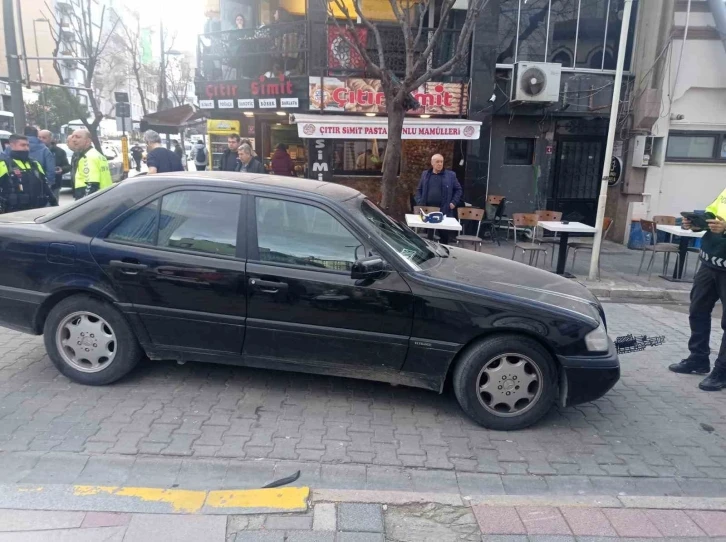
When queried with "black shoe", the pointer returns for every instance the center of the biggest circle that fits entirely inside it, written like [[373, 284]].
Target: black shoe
[[715, 381], [689, 366]]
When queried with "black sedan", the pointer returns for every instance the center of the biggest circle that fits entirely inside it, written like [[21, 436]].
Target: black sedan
[[298, 275]]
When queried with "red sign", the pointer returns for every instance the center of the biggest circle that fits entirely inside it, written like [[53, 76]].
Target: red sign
[[271, 87], [356, 95]]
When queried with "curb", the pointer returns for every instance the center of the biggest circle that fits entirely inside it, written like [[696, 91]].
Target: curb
[[626, 295], [150, 500], [144, 500]]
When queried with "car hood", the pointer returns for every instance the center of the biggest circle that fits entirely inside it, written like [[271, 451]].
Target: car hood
[[483, 272]]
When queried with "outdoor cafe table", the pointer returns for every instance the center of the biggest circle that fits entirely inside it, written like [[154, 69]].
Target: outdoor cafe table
[[449, 223], [685, 236], [564, 230]]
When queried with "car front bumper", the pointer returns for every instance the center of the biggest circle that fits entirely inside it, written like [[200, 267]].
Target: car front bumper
[[586, 378]]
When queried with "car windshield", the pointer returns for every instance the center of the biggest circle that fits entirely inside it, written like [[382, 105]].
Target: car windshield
[[398, 236]]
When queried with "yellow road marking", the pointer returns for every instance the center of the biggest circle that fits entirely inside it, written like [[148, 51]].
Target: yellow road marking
[[283, 498], [191, 502]]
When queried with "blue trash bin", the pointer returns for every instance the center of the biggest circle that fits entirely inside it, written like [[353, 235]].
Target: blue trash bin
[[635, 240]]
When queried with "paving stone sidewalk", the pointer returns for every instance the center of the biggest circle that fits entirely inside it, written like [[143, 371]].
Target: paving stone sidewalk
[[369, 522]]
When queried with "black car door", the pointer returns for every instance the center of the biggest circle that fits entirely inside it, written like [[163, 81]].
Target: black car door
[[179, 262], [302, 304]]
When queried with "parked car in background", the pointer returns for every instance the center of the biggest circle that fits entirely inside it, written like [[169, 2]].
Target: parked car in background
[[115, 161], [298, 275]]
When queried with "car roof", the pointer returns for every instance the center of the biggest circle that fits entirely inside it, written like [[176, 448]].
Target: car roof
[[334, 191]]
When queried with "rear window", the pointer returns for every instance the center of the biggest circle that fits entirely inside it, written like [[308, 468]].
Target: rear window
[[63, 209]]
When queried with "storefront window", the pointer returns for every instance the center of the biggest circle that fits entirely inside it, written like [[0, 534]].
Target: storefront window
[[563, 28], [532, 30], [551, 31], [358, 157]]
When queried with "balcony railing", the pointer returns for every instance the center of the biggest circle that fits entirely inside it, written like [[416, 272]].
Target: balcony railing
[[311, 48], [234, 54]]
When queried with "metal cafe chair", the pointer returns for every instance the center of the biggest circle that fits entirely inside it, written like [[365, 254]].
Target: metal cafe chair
[[527, 221]]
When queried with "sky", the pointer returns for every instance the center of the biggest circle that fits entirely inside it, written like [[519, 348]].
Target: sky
[[185, 17]]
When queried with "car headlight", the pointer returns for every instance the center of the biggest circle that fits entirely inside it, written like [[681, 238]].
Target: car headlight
[[597, 339]]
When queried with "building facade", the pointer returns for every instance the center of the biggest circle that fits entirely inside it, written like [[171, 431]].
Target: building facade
[[677, 146], [294, 80]]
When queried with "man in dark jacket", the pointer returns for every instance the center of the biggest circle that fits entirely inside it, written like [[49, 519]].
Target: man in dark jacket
[[246, 162], [229, 156], [440, 188], [62, 165], [40, 153]]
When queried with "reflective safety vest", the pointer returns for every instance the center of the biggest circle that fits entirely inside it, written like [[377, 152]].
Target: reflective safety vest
[[92, 172], [23, 186]]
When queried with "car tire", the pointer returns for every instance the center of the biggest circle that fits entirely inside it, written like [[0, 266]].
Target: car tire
[[89, 341], [506, 382]]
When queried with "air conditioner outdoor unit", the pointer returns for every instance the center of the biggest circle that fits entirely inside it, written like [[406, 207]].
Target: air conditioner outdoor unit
[[536, 82]]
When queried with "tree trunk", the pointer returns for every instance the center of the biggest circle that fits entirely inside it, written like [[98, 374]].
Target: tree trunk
[[392, 158]]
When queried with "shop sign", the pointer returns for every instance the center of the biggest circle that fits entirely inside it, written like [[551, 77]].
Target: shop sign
[[355, 95], [246, 103], [379, 130], [206, 104], [273, 86], [221, 126], [289, 102], [225, 104], [319, 160], [268, 103], [616, 171]]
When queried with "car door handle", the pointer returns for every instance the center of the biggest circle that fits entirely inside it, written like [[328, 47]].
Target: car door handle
[[268, 286], [129, 268]]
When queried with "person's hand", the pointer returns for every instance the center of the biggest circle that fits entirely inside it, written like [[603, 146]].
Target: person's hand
[[59, 170], [686, 224], [452, 206], [717, 225]]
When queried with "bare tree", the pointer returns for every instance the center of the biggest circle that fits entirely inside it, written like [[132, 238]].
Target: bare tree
[[420, 66], [130, 31], [179, 75], [90, 36]]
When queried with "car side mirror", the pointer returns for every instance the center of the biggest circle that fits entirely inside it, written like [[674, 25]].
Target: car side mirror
[[368, 268]]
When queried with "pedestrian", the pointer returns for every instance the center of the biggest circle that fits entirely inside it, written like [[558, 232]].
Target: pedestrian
[[439, 187], [246, 163], [201, 156], [92, 172], [709, 286], [158, 158], [40, 153], [281, 163], [228, 161], [178, 150], [62, 165], [23, 184], [137, 153]]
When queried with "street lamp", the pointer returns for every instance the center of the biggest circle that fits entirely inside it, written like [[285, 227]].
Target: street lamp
[[40, 73]]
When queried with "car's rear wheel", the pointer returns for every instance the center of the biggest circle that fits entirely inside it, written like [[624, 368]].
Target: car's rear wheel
[[89, 341], [506, 382]]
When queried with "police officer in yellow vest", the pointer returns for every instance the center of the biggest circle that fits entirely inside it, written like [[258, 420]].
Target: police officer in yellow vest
[[92, 173], [22, 180], [709, 285]]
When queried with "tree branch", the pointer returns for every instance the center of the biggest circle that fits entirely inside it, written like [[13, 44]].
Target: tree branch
[[350, 29]]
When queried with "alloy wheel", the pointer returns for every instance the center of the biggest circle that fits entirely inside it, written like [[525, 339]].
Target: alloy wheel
[[509, 385], [86, 342]]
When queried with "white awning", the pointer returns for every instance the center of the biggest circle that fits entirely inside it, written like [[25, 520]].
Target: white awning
[[356, 127]]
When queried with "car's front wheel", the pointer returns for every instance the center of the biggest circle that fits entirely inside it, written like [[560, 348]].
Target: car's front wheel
[[89, 341], [505, 382]]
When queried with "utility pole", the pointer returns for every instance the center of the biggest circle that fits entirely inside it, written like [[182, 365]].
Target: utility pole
[[11, 49], [40, 73], [617, 84]]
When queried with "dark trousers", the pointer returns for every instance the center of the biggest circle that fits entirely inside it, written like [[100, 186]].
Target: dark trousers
[[138, 163], [200, 168], [79, 193], [709, 285]]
